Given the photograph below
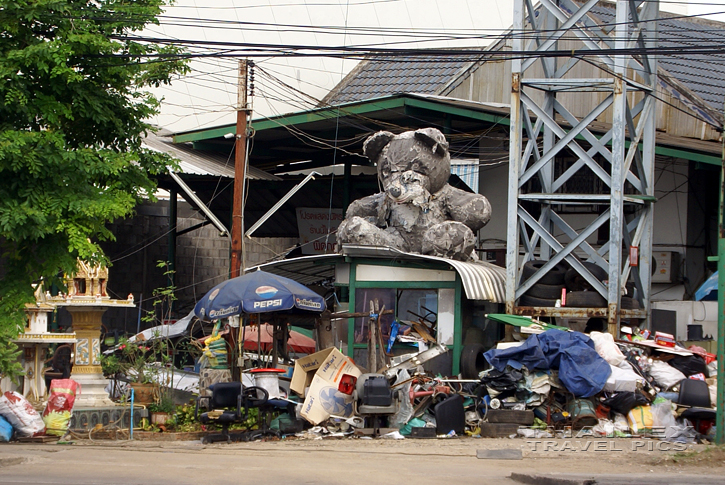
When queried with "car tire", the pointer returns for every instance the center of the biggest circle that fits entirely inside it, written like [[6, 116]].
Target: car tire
[[548, 292], [472, 361], [576, 282], [628, 303], [553, 277], [527, 300], [585, 299]]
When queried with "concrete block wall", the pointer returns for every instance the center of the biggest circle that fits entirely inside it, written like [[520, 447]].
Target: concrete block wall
[[202, 260]]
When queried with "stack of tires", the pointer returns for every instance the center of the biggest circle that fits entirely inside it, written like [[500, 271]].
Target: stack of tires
[[579, 292], [547, 290]]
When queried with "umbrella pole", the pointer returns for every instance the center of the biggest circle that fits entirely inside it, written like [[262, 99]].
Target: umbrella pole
[[259, 339], [242, 340], [275, 334]]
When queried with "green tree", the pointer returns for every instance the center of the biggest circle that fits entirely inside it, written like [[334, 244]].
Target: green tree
[[74, 106]]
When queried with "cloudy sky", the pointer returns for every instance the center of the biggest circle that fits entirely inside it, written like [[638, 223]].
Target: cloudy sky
[[207, 96]]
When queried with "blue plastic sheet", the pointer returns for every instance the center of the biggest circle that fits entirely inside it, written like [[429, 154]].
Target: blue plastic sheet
[[581, 369], [6, 430]]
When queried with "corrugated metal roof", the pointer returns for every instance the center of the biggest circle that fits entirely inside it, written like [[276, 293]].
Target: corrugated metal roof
[[380, 76], [308, 270], [481, 280], [701, 73], [200, 162]]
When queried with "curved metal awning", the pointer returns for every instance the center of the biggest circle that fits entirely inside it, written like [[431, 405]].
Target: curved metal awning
[[481, 280]]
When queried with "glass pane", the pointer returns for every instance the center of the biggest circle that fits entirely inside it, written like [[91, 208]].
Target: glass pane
[[363, 298], [414, 305]]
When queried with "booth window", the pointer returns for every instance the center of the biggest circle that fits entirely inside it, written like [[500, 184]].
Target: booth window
[[415, 305]]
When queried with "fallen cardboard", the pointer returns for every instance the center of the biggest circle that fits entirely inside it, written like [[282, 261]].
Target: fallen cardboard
[[316, 378]]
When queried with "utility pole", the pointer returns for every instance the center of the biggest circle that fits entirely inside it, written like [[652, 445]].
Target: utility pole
[[240, 169]]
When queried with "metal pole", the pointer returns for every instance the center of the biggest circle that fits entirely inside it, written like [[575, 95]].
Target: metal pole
[[720, 421], [239, 171], [173, 220], [130, 426]]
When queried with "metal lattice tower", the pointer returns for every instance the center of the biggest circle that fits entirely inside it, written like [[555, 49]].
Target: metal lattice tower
[[552, 122]]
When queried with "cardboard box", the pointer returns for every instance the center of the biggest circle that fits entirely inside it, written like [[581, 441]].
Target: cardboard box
[[664, 339], [320, 373]]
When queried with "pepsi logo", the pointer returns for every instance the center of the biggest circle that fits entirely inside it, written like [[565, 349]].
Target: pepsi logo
[[266, 291]]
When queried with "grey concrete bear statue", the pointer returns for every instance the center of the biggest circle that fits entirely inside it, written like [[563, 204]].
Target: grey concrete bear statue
[[417, 211]]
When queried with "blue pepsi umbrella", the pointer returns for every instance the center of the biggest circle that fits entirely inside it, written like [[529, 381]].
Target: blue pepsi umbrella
[[257, 292]]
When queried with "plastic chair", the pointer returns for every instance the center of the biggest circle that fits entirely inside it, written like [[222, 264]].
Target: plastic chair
[[228, 404], [696, 393]]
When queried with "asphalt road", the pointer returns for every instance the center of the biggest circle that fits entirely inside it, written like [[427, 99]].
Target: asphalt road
[[353, 462]]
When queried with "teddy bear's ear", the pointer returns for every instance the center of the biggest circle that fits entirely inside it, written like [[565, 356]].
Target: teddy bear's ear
[[433, 139], [375, 144]]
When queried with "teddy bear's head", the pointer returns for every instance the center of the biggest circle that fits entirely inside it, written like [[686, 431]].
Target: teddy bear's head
[[411, 165]]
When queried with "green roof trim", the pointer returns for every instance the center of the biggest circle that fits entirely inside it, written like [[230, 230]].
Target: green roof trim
[[458, 111], [398, 101], [319, 114], [688, 155]]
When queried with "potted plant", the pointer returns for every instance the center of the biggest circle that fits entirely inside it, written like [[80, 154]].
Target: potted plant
[[132, 362], [162, 410]]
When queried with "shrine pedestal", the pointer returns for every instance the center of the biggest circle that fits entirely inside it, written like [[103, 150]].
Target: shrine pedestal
[[87, 369]]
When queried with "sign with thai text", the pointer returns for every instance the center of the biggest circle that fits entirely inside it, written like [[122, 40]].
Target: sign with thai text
[[317, 229]]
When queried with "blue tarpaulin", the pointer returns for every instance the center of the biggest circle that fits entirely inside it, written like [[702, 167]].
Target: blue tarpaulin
[[581, 369], [708, 290]]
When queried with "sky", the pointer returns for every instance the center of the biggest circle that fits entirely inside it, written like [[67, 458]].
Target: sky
[[207, 96]]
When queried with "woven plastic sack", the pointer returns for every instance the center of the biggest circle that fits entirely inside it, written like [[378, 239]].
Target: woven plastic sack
[[640, 419], [20, 414], [58, 411]]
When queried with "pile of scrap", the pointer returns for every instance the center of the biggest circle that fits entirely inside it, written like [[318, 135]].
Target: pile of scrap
[[553, 382]]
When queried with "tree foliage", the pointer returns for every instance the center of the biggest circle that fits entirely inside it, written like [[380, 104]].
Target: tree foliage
[[74, 106]]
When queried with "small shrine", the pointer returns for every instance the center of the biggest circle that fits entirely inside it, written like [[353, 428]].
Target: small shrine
[[87, 300], [34, 342]]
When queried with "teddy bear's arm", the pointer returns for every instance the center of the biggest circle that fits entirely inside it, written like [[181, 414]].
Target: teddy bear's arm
[[473, 210], [369, 208]]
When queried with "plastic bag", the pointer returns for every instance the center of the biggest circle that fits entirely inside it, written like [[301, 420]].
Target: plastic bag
[[620, 424], [623, 402], [664, 374], [6, 430], [663, 417], [605, 427], [20, 414], [405, 430], [606, 348], [689, 365], [640, 419], [405, 412]]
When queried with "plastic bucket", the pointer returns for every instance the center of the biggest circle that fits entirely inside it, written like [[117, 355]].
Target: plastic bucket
[[268, 379]]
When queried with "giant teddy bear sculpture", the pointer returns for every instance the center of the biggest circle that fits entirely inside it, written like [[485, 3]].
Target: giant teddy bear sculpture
[[417, 211]]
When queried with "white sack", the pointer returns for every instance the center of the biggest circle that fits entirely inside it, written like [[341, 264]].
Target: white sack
[[20, 414], [622, 378], [664, 374], [606, 348]]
